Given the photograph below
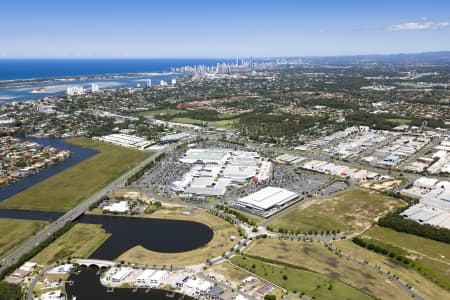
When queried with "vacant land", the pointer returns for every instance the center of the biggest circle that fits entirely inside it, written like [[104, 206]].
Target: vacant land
[[353, 211], [315, 257], [412, 243], [302, 281], [406, 273], [14, 232], [80, 241], [70, 187], [219, 244], [228, 273]]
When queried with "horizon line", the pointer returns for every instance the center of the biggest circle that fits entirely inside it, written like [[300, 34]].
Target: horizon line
[[218, 57]]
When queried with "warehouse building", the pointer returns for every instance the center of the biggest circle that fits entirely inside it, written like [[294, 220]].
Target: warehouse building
[[125, 140], [434, 205], [267, 199]]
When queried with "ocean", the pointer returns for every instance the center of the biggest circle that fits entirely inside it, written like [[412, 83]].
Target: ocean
[[12, 69], [52, 76]]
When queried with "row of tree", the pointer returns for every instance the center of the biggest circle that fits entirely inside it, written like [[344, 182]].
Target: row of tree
[[381, 250], [398, 223]]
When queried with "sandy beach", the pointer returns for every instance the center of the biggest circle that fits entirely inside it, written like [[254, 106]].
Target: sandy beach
[[49, 89], [2, 97]]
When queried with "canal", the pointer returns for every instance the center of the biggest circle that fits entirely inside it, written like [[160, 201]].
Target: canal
[[78, 154], [86, 285]]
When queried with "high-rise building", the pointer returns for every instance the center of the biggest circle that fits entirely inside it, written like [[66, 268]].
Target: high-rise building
[[148, 82], [94, 88], [174, 81], [75, 90]]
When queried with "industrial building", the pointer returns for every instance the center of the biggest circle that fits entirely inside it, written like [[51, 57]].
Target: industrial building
[[125, 140], [289, 159], [434, 205], [266, 199], [342, 171], [173, 138]]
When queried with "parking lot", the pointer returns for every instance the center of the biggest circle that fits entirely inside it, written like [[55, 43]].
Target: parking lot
[[159, 179]]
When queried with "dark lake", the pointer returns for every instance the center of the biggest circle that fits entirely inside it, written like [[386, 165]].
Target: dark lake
[[159, 235], [86, 285], [78, 155], [169, 236]]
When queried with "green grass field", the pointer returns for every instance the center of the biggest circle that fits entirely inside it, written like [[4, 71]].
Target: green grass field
[[353, 211], [412, 243], [227, 124], [432, 258], [166, 112], [80, 241], [412, 277], [399, 121], [316, 257], [301, 281], [436, 271], [68, 188], [14, 232]]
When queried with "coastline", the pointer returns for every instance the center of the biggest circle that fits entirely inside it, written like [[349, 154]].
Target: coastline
[[34, 89], [50, 79]]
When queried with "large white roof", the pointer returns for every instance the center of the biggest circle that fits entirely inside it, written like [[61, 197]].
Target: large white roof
[[267, 198], [206, 155], [426, 182]]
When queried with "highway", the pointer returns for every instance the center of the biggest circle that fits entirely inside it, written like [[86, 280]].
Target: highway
[[14, 256]]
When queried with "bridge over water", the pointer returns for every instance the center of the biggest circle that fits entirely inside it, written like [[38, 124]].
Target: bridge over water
[[93, 262]]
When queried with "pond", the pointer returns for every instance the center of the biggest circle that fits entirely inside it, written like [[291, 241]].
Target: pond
[[161, 235], [169, 236]]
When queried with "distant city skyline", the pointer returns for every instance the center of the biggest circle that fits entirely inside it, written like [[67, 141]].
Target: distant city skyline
[[213, 29]]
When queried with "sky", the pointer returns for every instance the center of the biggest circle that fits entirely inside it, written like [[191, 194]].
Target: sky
[[225, 29]]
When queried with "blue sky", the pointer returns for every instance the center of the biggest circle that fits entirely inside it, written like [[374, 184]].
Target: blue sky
[[190, 28]]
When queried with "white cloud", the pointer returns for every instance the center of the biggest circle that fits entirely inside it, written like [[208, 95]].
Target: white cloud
[[424, 25]]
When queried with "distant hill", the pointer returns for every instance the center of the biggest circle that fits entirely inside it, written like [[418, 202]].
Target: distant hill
[[441, 57]]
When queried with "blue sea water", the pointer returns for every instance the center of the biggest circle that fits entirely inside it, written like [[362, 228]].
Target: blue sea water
[[61, 73], [11, 69]]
